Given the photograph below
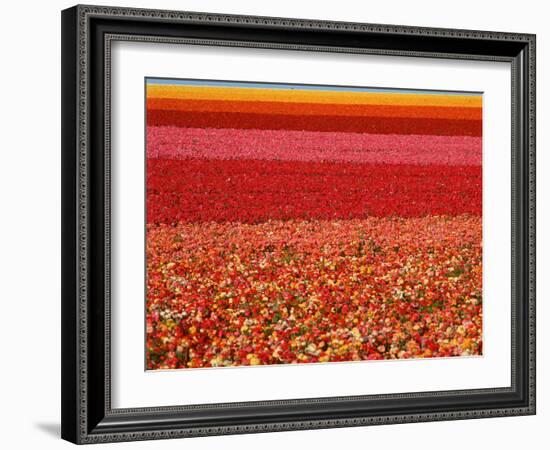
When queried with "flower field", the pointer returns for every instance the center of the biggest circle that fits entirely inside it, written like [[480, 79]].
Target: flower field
[[289, 225]]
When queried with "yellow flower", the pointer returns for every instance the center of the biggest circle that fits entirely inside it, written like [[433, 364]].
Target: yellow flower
[[253, 359]]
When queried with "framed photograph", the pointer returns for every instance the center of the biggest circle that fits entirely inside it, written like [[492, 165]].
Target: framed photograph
[[279, 224]]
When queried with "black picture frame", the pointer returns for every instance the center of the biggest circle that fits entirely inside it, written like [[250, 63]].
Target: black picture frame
[[87, 32]]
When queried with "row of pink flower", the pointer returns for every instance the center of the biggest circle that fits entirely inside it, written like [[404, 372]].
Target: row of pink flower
[[183, 143]]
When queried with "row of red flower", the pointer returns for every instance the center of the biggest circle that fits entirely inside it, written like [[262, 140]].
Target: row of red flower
[[355, 124], [254, 190], [297, 292]]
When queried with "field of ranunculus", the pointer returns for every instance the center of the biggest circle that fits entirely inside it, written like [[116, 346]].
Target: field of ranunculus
[[274, 240], [222, 294]]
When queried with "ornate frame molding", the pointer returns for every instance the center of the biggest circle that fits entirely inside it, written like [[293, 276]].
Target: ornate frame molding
[[80, 423]]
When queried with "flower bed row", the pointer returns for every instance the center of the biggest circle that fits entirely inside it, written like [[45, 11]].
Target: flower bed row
[[313, 291], [212, 143], [311, 94], [251, 191], [327, 109], [355, 124]]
